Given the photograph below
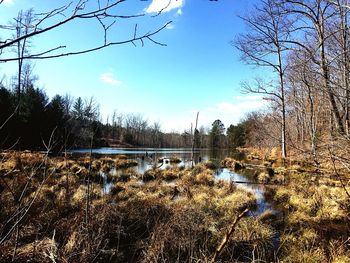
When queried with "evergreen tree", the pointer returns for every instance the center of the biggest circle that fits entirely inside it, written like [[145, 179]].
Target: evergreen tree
[[56, 121], [7, 110], [236, 135], [216, 134], [78, 109], [31, 121]]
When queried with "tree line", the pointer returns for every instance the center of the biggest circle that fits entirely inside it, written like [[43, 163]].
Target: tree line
[[34, 120]]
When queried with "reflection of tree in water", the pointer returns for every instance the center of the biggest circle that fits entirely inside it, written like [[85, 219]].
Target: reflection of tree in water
[[218, 171], [197, 157], [214, 153]]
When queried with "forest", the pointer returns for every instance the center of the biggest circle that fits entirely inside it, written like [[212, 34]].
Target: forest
[[277, 192], [76, 123]]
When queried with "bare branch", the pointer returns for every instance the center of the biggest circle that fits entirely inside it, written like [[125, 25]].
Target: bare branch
[[43, 55], [99, 12]]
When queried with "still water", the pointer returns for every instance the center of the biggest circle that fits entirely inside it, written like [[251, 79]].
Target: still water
[[148, 158]]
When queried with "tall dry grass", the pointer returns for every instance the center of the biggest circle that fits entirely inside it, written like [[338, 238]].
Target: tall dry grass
[[174, 215]]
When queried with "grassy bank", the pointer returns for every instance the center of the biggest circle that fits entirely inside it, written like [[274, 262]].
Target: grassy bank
[[313, 203]]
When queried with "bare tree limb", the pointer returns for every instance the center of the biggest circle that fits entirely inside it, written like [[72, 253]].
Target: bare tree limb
[[101, 13], [227, 237]]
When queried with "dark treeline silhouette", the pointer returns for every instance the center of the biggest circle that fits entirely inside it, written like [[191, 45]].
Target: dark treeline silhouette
[[34, 121]]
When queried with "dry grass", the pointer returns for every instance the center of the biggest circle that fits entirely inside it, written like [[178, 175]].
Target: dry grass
[[264, 177], [232, 163], [318, 218], [151, 174], [124, 163], [79, 195], [197, 221], [44, 250], [316, 211], [172, 215], [174, 159], [211, 165], [126, 175], [199, 175], [171, 174]]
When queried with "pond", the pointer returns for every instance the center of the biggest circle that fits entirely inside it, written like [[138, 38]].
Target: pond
[[149, 157], [246, 180]]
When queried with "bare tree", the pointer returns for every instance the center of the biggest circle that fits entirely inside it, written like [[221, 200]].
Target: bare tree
[[22, 26], [264, 45], [194, 140], [306, 99], [314, 17], [156, 135], [342, 56]]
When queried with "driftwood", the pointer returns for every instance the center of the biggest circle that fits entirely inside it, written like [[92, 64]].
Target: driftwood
[[228, 236]]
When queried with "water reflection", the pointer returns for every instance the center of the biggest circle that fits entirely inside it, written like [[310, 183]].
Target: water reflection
[[149, 158], [247, 181], [144, 165], [153, 154], [138, 151]]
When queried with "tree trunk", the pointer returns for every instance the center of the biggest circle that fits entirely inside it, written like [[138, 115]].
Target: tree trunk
[[326, 76], [344, 28], [283, 124]]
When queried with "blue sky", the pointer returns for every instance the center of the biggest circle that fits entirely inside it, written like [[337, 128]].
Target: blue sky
[[198, 70]]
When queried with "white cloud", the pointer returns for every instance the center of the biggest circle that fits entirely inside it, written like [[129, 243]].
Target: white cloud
[[170, 26], [240, 104], [165, 6], [8, 2], [108, 78], [231, 112], [179, 12]]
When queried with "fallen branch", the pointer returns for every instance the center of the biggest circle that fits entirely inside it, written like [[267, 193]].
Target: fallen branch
[[228, 236]]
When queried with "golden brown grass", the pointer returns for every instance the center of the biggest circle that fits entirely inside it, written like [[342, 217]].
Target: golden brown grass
[[170, 174], [232, 164], [316, 211], [317, 216], [174, 159], [172, 215]]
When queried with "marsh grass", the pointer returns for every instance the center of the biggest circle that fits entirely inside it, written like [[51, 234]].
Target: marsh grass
[[175, 215], [211, 165], [318, 218], [172, 173], [313, 224], [232, 163], [170, 215], [174, 159]]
